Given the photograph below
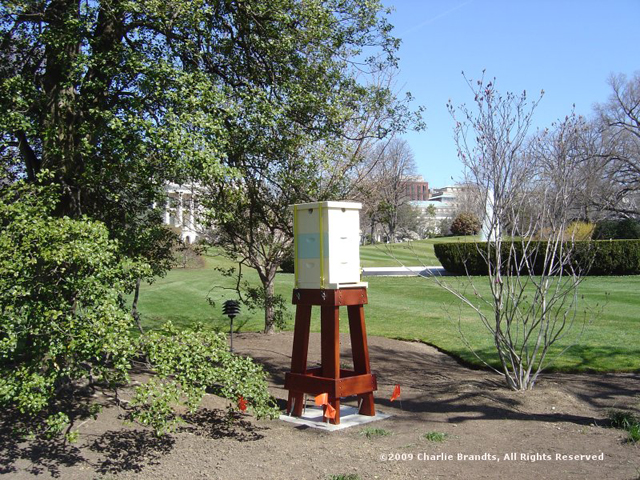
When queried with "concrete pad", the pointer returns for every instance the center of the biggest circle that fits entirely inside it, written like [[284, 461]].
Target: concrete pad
[[401, 271], [349, 417]]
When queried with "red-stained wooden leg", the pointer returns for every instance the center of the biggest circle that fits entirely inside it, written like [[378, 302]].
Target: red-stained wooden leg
[[295, 402], [330, 349], [335, 403], [330, 342], [358, 333], [367, 406], [360, 352], [299, 355]]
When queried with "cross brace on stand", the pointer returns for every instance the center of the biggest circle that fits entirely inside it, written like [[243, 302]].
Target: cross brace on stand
[[330, 378]]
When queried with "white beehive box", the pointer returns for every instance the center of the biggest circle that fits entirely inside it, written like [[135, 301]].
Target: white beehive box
[[327, 245]]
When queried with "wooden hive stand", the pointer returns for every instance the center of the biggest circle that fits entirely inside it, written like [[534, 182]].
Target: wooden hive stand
[[330, 378]]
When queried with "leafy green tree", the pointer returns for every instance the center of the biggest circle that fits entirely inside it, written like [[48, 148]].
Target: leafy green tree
[[117, 97], [301, 143]]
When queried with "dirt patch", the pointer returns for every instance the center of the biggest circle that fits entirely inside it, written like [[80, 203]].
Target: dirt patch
[[490, 432]]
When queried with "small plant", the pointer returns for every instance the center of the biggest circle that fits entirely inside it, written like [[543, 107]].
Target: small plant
[[624, 420], [350, 476], [371, 432], [435, 436]]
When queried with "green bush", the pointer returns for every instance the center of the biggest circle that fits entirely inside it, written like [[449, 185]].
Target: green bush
[[188, 363], [461, 258], [607, 257], [62, 316], [465, 224], [617, 229], [64, 324]]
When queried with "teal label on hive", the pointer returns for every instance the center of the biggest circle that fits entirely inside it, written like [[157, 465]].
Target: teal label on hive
[[309, 245]]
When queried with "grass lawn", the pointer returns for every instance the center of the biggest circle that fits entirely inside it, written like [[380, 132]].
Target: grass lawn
[[413, 308], [410, 254]]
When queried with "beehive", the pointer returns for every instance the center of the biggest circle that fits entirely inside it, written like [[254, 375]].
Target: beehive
[[327, 245]]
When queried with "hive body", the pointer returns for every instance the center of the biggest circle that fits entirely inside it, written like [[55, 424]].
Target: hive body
[[327, 245]]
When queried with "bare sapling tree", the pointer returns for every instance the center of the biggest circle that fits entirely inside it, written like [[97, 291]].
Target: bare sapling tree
[[529, 302], [618, 123], [468, 200], [383, 194]]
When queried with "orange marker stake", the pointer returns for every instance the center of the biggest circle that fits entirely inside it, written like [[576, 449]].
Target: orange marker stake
[[322, 399], [396, 393], [330, 412]]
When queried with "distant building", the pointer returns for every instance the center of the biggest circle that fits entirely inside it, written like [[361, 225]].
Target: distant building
[[447, 194], [443, 204], [416, 189], [182, 211]]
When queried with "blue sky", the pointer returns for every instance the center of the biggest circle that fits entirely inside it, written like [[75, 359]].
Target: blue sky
[[566, 48]]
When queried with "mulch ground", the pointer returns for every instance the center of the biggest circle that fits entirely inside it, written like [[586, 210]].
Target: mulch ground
[[558, 430]]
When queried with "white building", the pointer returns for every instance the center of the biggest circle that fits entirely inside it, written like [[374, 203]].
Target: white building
[[444, 202], [182, 211]]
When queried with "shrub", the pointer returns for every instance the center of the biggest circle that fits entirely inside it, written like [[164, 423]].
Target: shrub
[[619, 257], [625, 420], [188, 363], [444, 227], [617, 229], [579, 231], [62, 316], [465, 224], [606, 230], [628, 229], [461, 257], [63, 323]]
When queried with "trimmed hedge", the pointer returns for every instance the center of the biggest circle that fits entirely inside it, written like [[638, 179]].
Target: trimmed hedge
[[609, 257]]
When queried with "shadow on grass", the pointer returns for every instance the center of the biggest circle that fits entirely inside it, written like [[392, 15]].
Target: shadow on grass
[[578, 359], [591, 359]]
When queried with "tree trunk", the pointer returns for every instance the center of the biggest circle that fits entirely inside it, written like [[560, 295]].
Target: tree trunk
[[268, 283], [134, 306], [373, 228]]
